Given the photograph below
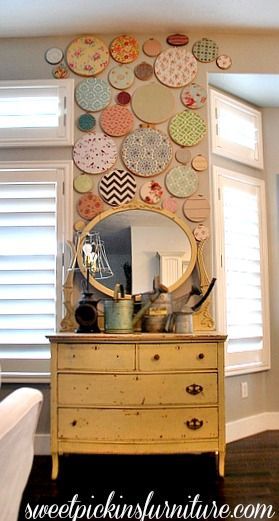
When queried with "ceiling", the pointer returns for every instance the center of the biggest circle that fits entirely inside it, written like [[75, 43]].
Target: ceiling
[[21, 18], [259, 89], [42, 18]]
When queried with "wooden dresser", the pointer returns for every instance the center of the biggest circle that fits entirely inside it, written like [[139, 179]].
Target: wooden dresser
[[137, 394]]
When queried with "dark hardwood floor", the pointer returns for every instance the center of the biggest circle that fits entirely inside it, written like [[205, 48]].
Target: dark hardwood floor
[[252, 477]]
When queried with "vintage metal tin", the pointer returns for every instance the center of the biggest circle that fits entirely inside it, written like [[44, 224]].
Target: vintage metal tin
[[118, 316]]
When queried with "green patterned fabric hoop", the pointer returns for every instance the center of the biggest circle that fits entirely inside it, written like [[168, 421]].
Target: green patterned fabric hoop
[[187, 128], [182, 181], [205, 50]]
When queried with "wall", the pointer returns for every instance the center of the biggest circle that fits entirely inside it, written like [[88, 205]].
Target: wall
[[271, 125], [24, 59], [147, 242]]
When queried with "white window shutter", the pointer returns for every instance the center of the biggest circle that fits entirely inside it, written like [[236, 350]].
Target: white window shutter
[[36, 113], [34, 223], [242, 277], [27, 261], [236, 129]]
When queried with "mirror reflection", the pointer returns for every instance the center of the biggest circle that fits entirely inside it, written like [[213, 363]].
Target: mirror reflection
[[140, 245]]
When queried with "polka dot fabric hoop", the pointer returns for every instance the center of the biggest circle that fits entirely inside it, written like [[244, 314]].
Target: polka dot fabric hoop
[[89, 205], [121, 77], [116, 120], [95, 153], [182, 181], [205, 50]]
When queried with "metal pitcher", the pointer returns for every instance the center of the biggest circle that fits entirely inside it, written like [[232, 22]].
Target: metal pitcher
[[119, 312], [180, 322]]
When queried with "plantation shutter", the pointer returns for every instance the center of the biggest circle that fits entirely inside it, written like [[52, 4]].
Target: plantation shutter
[[236, 130], [32, 221], [36, 113], [244, 266], [27, 262]]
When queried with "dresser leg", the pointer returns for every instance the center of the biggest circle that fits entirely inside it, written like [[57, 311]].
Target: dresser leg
[[221, 463], [55, 465]]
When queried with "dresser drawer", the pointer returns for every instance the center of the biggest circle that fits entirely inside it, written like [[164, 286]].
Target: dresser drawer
[[96, 357], [137, 425], [173, 357], [138, 390]]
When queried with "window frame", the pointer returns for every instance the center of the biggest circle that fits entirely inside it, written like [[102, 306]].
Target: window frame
[[242, 367], [63, 135], [228, 149], [33, 364]]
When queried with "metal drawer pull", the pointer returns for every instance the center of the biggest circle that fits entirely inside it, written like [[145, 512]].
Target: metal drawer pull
[[200, 356], [156, 357], [194, 389], [194, 424], [74, 422]]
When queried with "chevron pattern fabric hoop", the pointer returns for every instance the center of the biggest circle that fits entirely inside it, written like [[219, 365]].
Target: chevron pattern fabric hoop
[[117, 187]]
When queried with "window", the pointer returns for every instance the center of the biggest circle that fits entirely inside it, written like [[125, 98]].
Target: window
[[37, 113], [242, 269], [236, 130], [35, 222]]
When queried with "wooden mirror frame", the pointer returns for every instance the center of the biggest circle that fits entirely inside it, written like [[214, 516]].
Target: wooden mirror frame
[[137, 205]]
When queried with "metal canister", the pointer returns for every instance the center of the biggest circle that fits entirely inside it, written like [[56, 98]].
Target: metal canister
[[183, 322], [119, 316]]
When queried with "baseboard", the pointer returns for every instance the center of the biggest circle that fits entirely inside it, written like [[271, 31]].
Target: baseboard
[[266, 421], [236, 430], [42, 444]]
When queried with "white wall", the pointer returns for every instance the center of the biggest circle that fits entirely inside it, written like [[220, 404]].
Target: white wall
[[147, 241]]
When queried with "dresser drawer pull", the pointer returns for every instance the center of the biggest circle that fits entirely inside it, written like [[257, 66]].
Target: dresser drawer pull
[[156, 357], [74, 422], [194, 424], [201, 356], [194, 389]]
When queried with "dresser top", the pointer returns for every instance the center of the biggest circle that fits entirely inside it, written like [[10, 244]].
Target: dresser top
[[136, 337]]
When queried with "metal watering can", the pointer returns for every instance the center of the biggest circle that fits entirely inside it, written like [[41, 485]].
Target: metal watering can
[[182, 321], [119, 312]]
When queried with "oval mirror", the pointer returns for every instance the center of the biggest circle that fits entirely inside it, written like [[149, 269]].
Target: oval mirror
[[134, 243]]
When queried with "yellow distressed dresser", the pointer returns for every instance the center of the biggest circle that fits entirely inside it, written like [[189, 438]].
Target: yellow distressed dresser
[[137, 394]]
